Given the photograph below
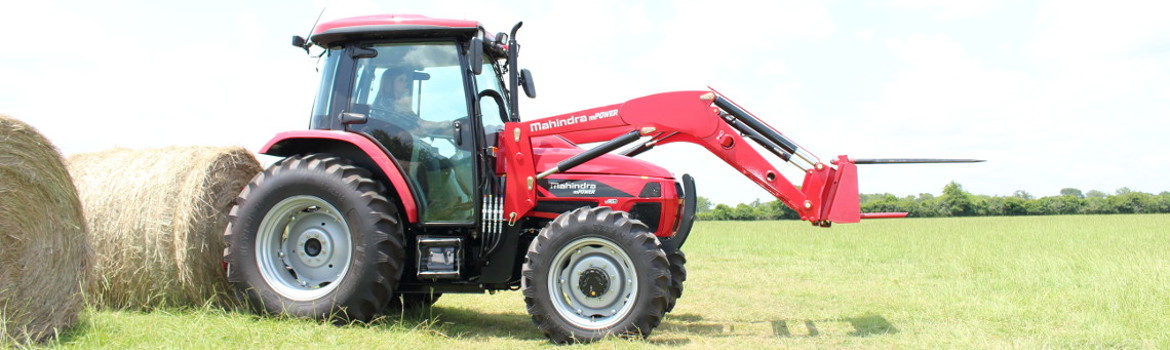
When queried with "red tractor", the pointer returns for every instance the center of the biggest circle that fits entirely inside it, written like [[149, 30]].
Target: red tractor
[[417, 178]]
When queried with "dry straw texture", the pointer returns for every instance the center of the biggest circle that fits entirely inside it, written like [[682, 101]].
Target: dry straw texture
[[43, 250], [156, 221]]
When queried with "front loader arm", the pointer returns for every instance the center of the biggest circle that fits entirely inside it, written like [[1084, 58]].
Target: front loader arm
[[827, 193]]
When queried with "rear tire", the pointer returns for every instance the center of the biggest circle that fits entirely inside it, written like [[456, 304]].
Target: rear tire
[[312, 236], [595, 272]]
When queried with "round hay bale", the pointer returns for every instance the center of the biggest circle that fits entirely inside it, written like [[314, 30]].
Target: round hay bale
[[156, 220], [43, 247]]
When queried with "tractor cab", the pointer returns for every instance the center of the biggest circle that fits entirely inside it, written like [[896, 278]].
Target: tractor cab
[[426, 92]]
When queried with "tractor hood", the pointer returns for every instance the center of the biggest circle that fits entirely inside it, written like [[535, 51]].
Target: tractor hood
[[549, 150]]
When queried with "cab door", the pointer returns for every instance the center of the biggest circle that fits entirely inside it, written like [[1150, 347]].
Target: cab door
[[415, 97]]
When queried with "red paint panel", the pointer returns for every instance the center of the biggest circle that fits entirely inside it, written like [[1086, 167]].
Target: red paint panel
[[845, 207], [753, 165], [816, 189], [370, 148], [588, 122], [668, 200], [883, 215], [631, 185], [392, 20], [546, 158], [681, 111], [695, 120], [516, 154], [553, 141]]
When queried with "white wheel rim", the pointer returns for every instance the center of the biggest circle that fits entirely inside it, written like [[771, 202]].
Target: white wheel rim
[[303, 248], [576, 289]]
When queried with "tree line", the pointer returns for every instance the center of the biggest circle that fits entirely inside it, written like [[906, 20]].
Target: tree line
[[956, 202]]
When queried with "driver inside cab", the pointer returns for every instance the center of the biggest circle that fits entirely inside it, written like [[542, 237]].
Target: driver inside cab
[[409, 139], [394, 104]]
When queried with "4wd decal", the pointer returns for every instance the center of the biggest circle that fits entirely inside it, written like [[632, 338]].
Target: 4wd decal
[[581, 188], [570, 120]]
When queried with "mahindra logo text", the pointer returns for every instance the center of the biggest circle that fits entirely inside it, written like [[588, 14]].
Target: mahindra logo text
[[576, 187], [556, 123]]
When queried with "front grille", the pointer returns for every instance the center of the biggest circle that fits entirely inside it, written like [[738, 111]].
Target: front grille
[[648, 213], [651, 190]]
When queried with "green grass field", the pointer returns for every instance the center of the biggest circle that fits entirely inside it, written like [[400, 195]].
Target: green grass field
[[1006, 282]]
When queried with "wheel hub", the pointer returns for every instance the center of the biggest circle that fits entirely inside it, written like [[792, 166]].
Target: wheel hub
[[303, 247], [313, 247], [594, 282]]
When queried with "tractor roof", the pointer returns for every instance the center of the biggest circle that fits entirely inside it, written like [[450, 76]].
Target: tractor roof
[[391, 26]]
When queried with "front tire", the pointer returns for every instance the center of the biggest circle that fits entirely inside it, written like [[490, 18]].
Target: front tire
[[595, 272], [678, 275], [312, 236]]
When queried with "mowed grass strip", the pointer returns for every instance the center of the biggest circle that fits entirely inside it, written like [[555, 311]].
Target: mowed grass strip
[[1004, 282]]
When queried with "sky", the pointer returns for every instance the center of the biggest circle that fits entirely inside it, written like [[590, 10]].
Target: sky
[[1053, 94]]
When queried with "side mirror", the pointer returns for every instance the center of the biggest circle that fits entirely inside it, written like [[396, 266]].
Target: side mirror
[[300, 42], [475, 56], [527, 84]]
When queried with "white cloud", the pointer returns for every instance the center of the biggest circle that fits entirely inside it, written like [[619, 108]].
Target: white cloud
[[1097, 52], [1071, 32], [250, 31], [948, 9], [337, 9], [1042, 124], [945, 104], [115, 88], [946, 89], [866, 35]]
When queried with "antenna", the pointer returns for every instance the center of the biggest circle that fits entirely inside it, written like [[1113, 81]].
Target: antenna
[[315, 22], [302, 42]]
